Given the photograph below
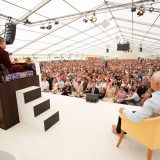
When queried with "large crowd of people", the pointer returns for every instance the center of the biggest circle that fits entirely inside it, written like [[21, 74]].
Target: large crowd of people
[[120, 81]]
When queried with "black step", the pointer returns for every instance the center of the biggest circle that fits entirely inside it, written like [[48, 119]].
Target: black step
[[42, 107], [48, 123], [32, 95]]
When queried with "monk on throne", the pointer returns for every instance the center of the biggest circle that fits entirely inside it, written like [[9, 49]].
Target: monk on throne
[[5, 60]]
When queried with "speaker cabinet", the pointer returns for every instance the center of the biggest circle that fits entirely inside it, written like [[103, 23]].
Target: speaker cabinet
[[92, 97], [10, 32]]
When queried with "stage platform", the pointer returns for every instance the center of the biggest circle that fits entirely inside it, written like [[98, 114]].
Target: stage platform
[[83, 133]]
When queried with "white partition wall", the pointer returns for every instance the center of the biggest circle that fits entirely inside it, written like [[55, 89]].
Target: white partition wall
[[127, 55]]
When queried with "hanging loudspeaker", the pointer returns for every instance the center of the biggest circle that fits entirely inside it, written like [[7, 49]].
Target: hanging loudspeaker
[[140, 49], [107, 50], [10, 32]]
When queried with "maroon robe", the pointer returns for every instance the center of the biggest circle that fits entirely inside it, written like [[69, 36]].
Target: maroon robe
[[5, 60]]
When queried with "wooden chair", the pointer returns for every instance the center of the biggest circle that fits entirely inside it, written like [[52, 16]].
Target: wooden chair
[[146, 132]]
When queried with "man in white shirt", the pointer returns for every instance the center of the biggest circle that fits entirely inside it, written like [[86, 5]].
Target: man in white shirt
[[150, 108], [44, 84], [60, 84]]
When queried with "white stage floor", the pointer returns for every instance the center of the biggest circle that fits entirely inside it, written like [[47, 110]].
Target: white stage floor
[[83, 133]]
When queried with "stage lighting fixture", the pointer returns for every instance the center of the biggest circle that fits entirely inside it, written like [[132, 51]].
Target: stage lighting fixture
[[94, 18], [42, 27], [151, 9], [141, 11], [85, 20], [56, 22], [49, 27], [27, 22]]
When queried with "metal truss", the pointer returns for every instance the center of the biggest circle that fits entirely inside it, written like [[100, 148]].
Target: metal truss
[[137, 22], [51, 31], [91, 12], [21, 19]]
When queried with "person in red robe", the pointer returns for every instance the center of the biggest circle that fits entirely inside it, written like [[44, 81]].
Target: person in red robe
[[5, 60]]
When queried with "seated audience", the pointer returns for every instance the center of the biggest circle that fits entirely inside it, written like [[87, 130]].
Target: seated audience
[[151, 107], [126, 73]]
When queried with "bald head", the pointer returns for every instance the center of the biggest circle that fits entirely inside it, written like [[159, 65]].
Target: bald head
[[155, 81], [156, 76]]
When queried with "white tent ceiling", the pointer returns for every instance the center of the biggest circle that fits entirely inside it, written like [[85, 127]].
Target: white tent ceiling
[[72, 35]]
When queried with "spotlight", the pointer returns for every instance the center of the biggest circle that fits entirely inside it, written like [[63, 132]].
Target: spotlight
[[56, 22], [94, 18], [27, 22], [141, 11], [49, 27], [151, 9], [42, 27], [85, 20]]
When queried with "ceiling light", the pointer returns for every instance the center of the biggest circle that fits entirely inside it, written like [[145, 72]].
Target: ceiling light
[[151, 9], [94, 18], [85, 20], [141, 11], [49, 26], [56, 22], [42, 27], [27, 22]]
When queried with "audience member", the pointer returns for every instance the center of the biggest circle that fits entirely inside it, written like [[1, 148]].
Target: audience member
[[94, 89], [44, 84]]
